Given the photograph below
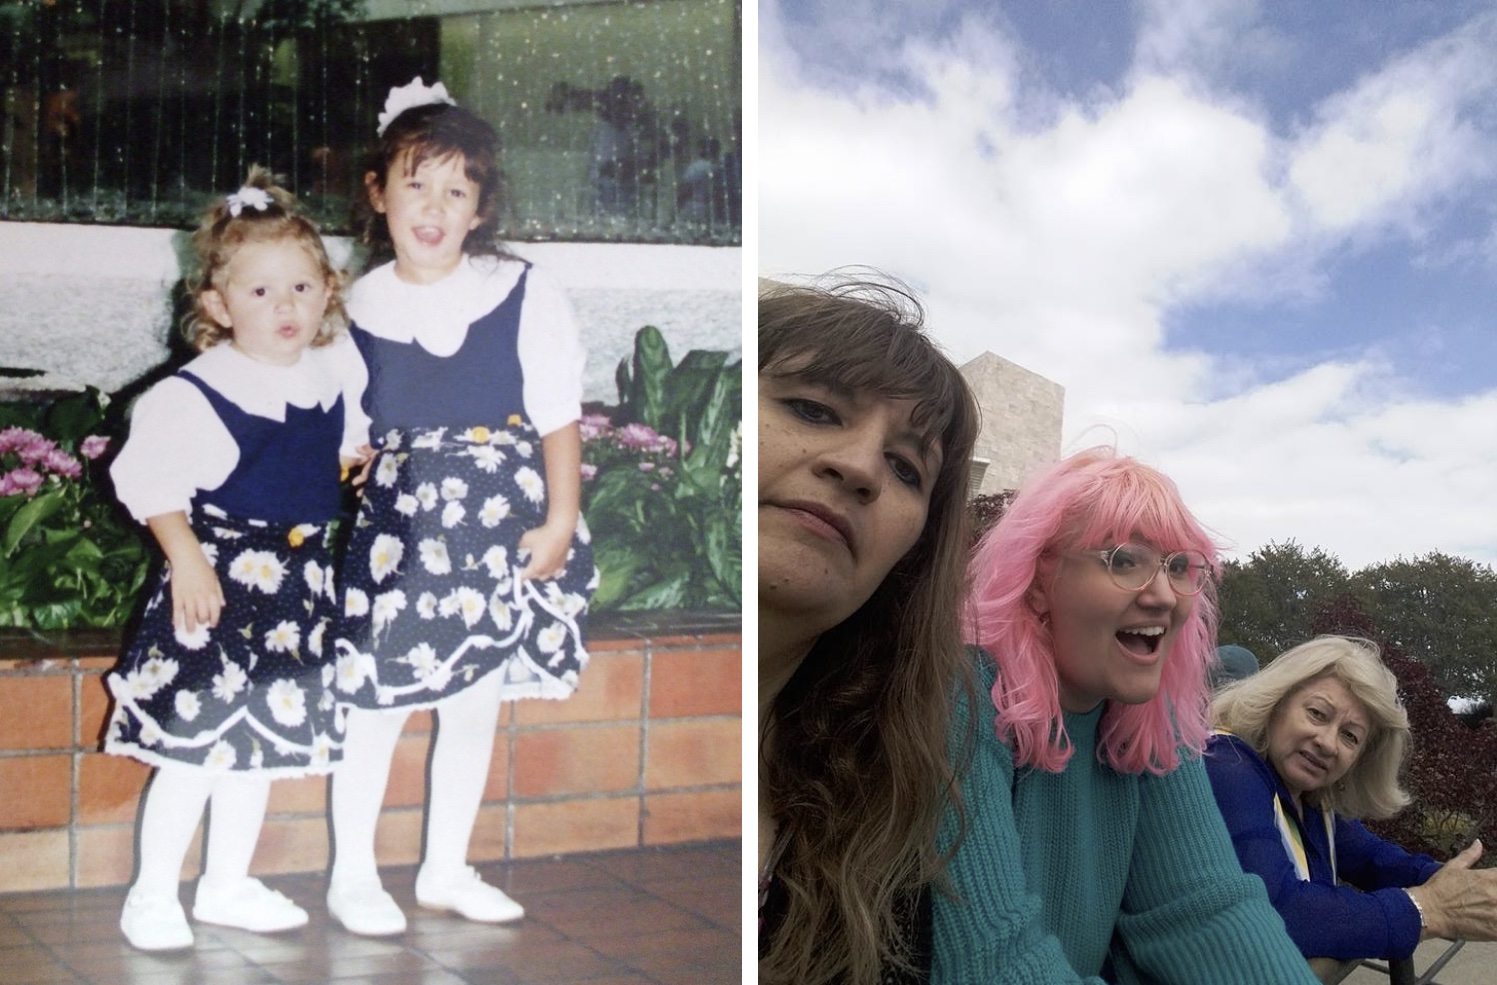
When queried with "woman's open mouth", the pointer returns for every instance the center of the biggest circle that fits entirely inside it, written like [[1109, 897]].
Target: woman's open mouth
[[1143, 641]]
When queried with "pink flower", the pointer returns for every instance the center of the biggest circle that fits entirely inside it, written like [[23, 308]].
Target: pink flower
[[15, 438], [93, 446], [589, 472], [595, 426], [60, 462], [32, 447], [647, 466], [642, 437], [24, 479]]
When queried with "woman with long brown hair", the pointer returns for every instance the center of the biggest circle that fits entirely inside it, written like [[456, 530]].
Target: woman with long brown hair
[[865, 436]]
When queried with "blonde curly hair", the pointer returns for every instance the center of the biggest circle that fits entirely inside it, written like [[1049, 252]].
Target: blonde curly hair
[[225, 228]]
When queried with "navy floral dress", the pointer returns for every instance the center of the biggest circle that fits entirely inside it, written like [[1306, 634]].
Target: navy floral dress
[[254, 692], [432, 597]]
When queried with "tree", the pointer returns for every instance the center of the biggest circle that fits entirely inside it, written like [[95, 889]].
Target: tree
[[1269, 601], [1442, 611], [1452, 770]]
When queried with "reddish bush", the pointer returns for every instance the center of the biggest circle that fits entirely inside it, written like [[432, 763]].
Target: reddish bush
[[987, 510], [1452, 770]]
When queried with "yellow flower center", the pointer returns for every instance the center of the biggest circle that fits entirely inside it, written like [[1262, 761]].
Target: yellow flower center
[[480, 434], [296, 538]]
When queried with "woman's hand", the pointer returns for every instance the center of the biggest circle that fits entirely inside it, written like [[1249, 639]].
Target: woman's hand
[[1459, 901]]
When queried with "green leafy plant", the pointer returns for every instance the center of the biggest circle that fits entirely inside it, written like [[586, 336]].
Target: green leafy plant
[[68, 557], [663, 482]]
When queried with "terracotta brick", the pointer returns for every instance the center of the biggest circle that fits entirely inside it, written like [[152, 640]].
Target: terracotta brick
[[397, 841], [611, 689], [304, 795], [576, 826], [97, 664], [584, 760], [407, 783], [109, 788], [694, 753], [106, 855], [36, 712], [291, 845], [700, 816], [497, 787], [696, 682], [620, 644], [490, 841], [33, 860], [38, 791], [96, 707]]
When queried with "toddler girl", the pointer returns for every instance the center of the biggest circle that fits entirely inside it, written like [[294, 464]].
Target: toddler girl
[[467, 571], [233, 464]]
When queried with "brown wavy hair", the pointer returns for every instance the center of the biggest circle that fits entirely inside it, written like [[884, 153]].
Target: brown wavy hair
[[435, 132], [219, 236], [861, 769]]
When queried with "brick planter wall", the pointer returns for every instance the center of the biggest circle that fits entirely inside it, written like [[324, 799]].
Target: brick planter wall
[[647, 752]]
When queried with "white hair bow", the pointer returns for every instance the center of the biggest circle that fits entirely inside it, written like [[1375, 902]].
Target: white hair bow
[[409, 96]]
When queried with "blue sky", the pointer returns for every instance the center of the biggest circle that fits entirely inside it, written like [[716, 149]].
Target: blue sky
[[1282, 215]]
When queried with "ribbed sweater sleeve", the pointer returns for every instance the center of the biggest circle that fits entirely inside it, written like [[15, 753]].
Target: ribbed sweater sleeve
[[1325, 920], [1190, 915]]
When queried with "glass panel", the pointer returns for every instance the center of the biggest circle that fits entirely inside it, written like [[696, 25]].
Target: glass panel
[[618, 120]]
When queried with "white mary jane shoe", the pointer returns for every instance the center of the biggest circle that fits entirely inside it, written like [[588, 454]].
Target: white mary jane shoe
[[247, 904], [468, 895], [153, 922]]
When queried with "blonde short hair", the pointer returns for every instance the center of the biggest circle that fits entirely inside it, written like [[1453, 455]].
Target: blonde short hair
[[1370, 788]]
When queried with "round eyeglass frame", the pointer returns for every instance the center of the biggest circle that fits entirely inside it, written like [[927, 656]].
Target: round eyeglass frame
[[1105, 555]]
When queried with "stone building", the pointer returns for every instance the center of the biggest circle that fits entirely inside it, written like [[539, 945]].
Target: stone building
[[1021, 422]]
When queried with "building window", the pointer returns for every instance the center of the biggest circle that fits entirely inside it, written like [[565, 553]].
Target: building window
[[618, 119]]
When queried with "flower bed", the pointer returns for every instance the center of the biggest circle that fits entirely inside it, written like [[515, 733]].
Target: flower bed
[[661, 493]]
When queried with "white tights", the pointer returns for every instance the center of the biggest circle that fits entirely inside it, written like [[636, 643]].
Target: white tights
[[462, 749], [174, 805]]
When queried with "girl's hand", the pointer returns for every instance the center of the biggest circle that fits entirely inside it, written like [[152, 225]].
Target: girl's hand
[[197, 597], [364, 462], [548, 545]]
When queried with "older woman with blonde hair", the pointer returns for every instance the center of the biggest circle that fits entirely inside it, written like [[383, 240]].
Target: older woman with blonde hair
[[1306, 747]]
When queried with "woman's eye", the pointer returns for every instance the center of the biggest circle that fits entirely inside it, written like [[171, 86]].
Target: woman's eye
[[1317, 714], [1352, 739], [906, 471], [1123, 560], [812, 412], [458, 193]]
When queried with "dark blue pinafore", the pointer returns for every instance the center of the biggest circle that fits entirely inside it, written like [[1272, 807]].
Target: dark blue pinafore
[[253, 692], [431, 598]]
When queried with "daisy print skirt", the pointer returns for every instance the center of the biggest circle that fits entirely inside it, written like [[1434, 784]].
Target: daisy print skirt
[[432, 601], [253, 692]]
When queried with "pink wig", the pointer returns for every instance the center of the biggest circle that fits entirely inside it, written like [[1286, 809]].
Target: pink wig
[[1093, 499]]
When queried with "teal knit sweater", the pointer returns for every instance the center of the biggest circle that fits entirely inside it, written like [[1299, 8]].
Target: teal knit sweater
[[1094, 875]]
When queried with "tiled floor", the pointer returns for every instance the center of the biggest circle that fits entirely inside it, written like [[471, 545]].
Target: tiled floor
[[654, 916]]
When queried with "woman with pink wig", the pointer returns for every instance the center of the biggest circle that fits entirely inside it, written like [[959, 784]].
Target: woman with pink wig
[[1093, 849]]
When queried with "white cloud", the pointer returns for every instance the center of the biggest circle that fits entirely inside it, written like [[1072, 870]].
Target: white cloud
[[1401, 135], [1065, 247]]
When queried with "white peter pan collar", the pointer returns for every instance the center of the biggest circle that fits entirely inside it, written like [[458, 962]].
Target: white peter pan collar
[[263, 389], [435, 315]]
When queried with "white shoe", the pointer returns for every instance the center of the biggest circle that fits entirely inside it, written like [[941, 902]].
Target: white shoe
[[469, 895], [365, 908], [155, 922], [247, 904]]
